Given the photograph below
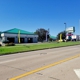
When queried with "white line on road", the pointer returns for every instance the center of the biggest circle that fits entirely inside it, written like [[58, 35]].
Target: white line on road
[[77, 71], [8, 61]]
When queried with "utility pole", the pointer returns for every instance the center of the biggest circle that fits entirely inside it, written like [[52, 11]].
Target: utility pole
[[65, 29], [47, 33], [65, 26]]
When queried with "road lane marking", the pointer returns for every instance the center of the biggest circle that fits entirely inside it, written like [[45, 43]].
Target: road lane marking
[[45, 67], [77, 71], [7, 61]]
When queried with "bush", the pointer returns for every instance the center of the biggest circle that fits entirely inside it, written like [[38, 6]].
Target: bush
[[5, 41], [10, 44]]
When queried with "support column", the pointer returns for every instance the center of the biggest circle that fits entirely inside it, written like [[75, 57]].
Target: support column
[[25, 39], [35, 40], [16, 39]]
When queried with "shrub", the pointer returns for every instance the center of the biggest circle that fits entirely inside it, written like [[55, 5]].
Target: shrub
[[10, 44], [6, 41]]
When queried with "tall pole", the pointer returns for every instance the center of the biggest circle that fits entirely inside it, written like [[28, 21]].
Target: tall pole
[[65, 29], [47, 33], [65, 26]]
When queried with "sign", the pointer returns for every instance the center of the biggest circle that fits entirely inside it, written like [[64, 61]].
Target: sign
[[70, 29]]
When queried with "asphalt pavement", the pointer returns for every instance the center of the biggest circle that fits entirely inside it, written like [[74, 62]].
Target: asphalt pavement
[[16, 66]]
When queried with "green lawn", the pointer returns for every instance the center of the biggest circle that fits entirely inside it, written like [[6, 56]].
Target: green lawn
[[31, 47]]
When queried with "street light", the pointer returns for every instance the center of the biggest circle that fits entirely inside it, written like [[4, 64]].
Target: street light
[[65, 26], [65, 29]]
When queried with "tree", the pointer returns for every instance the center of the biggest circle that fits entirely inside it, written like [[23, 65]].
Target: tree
[[63, 35], [42, 34]]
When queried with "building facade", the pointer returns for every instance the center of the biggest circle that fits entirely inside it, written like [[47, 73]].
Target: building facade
[[19, 36]]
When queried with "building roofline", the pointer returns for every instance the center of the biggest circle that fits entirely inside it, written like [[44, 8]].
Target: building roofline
[[15, 31]]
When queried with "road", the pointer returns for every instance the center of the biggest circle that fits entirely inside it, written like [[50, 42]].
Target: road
[[22, 63]]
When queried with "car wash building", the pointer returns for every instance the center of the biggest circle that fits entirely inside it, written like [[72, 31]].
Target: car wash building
[[19, 36]]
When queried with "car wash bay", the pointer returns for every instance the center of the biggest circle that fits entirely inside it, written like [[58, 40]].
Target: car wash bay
[[16, 35], [22, 39]]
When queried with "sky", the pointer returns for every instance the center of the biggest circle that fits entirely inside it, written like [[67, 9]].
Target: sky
[[31, 15]]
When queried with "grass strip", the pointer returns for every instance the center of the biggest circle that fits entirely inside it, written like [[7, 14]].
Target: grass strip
[[33, 47]]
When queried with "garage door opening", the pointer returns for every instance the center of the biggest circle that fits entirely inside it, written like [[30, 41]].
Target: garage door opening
[[11, 40], [21, 40], [30, 40]]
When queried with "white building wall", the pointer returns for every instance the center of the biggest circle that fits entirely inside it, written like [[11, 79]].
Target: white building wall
[[5, 35], [16, 35], [4, 38]]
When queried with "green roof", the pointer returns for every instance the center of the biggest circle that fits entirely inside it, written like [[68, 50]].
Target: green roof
[[16, 31], [53, 37]]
